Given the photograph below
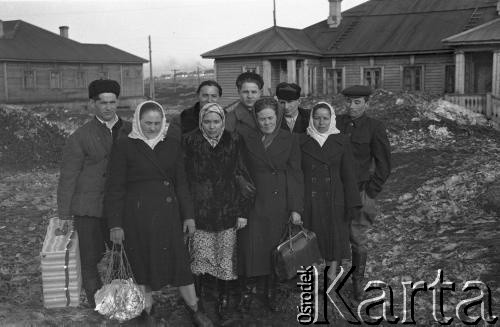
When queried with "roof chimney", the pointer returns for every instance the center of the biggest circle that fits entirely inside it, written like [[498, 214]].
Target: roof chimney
[[1, 28], [63, 31], [335, 15]]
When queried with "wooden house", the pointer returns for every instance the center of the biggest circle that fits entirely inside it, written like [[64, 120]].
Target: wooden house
[[38, 66], [436, 46]]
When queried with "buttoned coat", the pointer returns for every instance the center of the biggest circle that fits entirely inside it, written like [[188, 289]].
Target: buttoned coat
[[147, 195], [277, 176], [330, 193]]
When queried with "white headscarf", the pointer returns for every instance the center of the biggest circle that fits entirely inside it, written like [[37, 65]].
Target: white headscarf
[[136, 126], [332, 129], [215, 108]]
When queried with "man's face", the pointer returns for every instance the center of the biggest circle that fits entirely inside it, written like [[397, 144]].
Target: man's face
[[208, 94], [249, 93], [290, 108], [357, 106], [105, 106]]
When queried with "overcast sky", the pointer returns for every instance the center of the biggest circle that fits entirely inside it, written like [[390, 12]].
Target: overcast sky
[[180, 29]]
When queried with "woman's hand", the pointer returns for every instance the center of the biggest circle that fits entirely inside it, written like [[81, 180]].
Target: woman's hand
[[189, 226], [241, 223], [295, 218], [117, 235]]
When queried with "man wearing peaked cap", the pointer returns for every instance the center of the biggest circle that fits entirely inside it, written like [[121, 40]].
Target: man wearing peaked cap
[[84, 164], [370, 146], [296, 118]]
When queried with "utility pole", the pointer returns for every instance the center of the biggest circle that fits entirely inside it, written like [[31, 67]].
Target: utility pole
[[274, 12], [175, 84], [151, 78], [198, 74]]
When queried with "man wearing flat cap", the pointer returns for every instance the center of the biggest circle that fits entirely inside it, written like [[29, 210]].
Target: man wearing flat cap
[[372, 154], [83, 176], [296, 118]]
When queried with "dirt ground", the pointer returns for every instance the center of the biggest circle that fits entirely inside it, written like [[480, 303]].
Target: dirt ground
[[433, 216]]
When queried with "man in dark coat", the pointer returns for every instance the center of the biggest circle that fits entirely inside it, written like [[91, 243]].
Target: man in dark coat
[[371, 149], [296, 118], [83, 176], [208, 91]]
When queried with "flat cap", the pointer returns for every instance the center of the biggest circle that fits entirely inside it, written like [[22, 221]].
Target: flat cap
[[357, 91], [288, 91], [103, 86]]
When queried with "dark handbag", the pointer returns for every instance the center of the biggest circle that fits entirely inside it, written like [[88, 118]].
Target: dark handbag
[[295, 250]]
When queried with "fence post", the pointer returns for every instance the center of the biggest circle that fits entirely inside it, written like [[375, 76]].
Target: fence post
[[488, 105]]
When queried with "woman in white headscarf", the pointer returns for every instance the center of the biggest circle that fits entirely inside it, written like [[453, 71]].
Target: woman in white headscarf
[[148, 206], [212, 162], [331, 192]]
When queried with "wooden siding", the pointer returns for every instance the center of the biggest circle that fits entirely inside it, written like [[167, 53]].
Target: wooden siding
[[392, 79], [227, 71], [129, 76]]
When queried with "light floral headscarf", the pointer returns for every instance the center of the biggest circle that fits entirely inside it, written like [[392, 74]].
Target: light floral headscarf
[[137, 133], [215, 108]]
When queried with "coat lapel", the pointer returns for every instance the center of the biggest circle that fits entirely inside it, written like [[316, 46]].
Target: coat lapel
[[146, 151], [312, 148]]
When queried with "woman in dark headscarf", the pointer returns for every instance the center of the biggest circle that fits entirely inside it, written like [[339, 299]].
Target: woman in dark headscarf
[[331, 193], [272, 156], [148, 205], [212, 162]]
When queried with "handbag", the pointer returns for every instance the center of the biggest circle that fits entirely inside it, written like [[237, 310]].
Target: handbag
[[295, 250]]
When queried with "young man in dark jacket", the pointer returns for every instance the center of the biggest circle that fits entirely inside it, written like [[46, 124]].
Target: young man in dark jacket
[[83, 176], [372, 154], [208, 91], [296, 118]]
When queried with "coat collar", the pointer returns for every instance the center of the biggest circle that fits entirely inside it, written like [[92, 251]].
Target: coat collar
[[333, 145], [256, 147], [244, 115]]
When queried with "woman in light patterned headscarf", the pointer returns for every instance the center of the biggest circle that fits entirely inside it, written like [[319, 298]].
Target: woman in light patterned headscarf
[[212, 162]]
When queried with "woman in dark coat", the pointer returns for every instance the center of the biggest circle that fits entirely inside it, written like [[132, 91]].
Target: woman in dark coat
[[331, 193], [272, 156], [212, 162], [147, 201]]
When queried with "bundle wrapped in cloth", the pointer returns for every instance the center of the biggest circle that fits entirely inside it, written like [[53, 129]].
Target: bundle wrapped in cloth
[[120, 298]]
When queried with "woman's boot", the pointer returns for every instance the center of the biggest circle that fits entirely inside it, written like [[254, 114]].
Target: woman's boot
[[223, 299], [245, 300], [199, 317]]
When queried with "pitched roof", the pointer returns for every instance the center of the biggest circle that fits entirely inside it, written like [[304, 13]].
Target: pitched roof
[[26, 42], [485, 33], [275, 40], [377, 27]]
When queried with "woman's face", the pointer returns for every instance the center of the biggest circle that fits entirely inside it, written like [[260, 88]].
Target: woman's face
[[212, 124], [321, 119], [151, 123], [266, 119]]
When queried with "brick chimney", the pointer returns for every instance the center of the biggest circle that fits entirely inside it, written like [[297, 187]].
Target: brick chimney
[[63, 31], [335, 15], [1, 29]]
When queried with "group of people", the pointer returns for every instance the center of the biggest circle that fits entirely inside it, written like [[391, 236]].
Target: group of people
[[214, 195]]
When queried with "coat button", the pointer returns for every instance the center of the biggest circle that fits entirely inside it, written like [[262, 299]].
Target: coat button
[[169, 199], [313, 194], [275, 192], [166, 183]]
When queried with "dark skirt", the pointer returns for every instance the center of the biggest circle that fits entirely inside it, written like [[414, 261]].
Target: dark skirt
[[153, 237]]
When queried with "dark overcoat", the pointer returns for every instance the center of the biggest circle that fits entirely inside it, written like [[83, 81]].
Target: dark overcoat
[[147, 195], [277, 176], [301, 123], [330, 192], [211, 173]]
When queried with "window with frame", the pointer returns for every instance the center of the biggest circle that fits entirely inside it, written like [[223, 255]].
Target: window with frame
[[372, 77], [55, 80], [449, 79], [29, 80], [334, 84], [104, 75], [250, 69], [81, 79], [412, 78]]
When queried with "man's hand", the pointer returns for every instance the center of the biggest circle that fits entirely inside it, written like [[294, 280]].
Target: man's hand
[[247, 189], [295, 218], [241, 223], [117, 235], [189, 226]]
